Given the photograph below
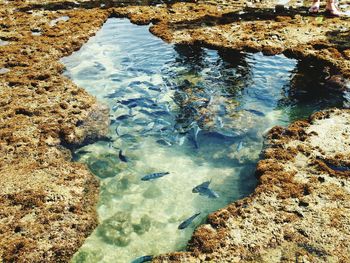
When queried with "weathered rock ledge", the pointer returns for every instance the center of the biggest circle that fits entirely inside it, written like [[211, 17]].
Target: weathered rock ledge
[[47, 203], [299, 211]]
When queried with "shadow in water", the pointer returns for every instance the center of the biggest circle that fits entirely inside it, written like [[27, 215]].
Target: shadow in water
[[311, 88], [341, 38]]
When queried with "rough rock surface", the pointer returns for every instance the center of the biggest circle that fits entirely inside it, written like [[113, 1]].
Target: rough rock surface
[[298, 213], [47, 203]]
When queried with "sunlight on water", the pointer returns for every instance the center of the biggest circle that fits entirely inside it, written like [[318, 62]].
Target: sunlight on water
[[195, 113]]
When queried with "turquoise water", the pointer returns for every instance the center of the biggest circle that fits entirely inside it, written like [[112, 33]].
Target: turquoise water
[[195, 113]]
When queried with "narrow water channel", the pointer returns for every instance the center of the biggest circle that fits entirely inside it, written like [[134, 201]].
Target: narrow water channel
[[193, 114]]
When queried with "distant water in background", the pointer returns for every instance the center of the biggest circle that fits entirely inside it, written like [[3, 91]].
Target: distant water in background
[[195, 113]]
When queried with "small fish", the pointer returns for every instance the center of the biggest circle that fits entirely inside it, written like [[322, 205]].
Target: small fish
[[256, 112], [338, 168], [203, 189], [83, 152], [188, 221], [198, 188], [181, 140], [107, 139], [155, 88], [143, 259], [117, 130], [164, 142], [240, 146], [209, 193], [146, 112], [219, 122], [132, 105], [123, 117], [150, 125], [161, 113], [122, 157], [163, 122], [196, 130], [153, 176], [140, 121]]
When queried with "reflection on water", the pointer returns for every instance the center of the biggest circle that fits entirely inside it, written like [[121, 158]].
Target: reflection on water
[[188, 121]]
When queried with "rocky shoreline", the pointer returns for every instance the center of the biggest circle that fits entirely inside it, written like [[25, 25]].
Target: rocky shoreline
[[299, 211]]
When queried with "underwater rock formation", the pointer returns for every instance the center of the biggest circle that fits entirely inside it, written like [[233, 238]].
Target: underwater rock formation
[[298, 212]]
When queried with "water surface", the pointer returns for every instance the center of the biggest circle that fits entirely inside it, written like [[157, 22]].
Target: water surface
[[196, 113]]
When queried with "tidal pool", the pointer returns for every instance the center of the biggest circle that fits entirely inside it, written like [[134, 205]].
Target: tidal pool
[[195, 113]]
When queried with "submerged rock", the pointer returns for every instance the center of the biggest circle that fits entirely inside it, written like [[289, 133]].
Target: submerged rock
[[105, 165], [143, 226], [116, 230], [87, 255]]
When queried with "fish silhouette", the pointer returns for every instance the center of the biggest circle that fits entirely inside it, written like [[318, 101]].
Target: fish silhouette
[[188, 221], [153, 176]]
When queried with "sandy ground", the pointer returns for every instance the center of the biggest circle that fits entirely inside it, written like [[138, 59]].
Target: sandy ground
[[298, 213]]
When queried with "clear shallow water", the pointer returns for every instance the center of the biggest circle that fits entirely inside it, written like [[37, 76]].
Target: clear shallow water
[[196, 113]]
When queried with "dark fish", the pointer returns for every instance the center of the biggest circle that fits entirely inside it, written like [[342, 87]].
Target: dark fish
[[141, 121], [117, 130], [209, 193], [239, 146], [338, 168], [143, 259], [198, 188], [163, 122], [132, 105], [195, 136], [161, 113], [128, 137], [146, 112], [164, 142], [122, 157], [123, 117], [107, 139], [222, 135], [219, 122], [203, 189], [155, 88], [153, 176], [256, 112], [83, 152], [148, 105], [188, 221]]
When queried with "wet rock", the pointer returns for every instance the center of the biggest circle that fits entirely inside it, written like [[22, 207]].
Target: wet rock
[[92, 127]]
